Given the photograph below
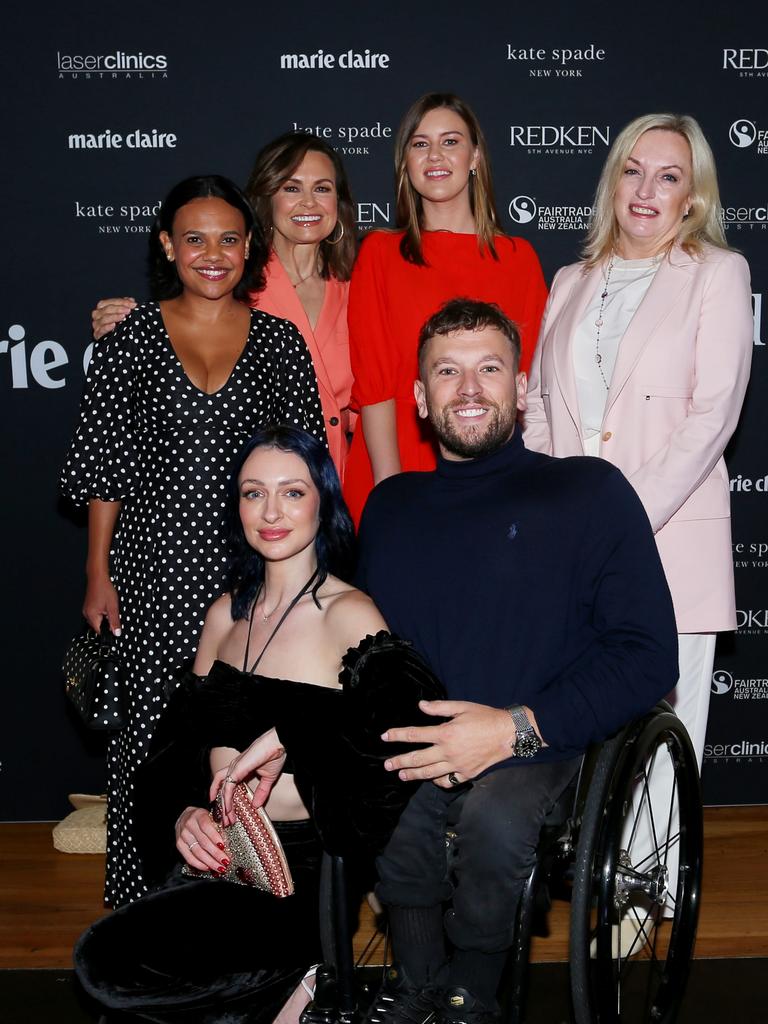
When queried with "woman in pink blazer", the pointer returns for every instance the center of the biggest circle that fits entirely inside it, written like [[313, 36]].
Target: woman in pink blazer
[[643, 359], [301, 196]]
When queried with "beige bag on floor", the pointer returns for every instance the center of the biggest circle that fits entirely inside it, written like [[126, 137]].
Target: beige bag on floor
[[85, 829]]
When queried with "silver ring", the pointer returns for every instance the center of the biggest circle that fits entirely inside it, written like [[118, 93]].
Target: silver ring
[[195, 842], [453, 780], [230, 779]]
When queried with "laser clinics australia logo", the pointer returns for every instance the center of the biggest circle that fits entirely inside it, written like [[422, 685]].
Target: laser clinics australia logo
[[117, 65], [373, 215], [555, 62], [136, 138], [349, 139], [29, 363], [738, 750], [738, 218], [350, 60], [547, 217], [750, 554], [745, 134], [116, 218], [559, 139], [747, 62]]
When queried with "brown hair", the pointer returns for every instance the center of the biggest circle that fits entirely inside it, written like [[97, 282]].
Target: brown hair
[[274, 164], [408, 202], [468, 315]]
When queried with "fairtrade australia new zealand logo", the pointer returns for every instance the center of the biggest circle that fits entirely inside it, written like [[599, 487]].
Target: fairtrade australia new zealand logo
[[722, 682], [522, 209], [744, 134]]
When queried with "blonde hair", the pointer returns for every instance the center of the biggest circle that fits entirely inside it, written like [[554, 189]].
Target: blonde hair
[[408, 203], [701, 225]]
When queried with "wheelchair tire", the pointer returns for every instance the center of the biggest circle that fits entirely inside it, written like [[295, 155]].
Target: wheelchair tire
[[649, 983]]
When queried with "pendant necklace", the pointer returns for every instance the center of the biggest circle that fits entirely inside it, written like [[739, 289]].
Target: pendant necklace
[[599, 322]]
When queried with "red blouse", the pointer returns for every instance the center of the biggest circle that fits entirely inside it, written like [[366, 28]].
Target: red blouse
[[389, 301]]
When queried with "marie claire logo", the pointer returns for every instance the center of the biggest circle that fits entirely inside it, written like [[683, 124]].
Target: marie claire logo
[[373, 215], [750, 62], [741, 484], [351, 60], [749, 621], [527, 210], [559, 139], [135, 139], [112, 65], [750, 554], [43, 362], [742, 689], [744, 134], [741, 750], [117, 218], [558, 62], [349, 139]]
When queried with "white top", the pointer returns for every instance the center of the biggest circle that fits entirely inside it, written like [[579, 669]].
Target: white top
[[628, 282]]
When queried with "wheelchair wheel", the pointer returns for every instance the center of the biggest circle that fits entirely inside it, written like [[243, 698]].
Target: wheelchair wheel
[[615, 878]]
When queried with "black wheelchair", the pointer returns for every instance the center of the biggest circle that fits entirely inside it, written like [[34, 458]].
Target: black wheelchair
[[589, 852]]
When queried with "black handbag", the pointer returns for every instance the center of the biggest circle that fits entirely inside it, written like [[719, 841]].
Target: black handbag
[[93, 679]]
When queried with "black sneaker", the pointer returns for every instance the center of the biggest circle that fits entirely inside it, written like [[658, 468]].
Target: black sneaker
[[459, 1006], [399, 1002]]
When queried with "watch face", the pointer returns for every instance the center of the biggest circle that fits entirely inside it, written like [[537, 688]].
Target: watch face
[[527, 744]]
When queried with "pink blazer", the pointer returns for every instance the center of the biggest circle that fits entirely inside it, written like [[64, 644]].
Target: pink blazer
[[328, 345], [674, 401]]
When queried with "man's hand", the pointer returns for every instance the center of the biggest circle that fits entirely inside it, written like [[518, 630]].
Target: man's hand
[[476, 737]]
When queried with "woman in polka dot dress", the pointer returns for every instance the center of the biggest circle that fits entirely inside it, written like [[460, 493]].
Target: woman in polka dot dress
[[171, 396]]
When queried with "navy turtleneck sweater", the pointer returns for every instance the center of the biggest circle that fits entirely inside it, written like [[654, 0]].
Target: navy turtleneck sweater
[[525, 579]]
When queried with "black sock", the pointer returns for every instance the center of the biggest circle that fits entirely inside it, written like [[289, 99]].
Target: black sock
[[480, 973], [418, 941]]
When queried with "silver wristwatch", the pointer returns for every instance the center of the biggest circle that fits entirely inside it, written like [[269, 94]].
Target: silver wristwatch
[[527, 742]]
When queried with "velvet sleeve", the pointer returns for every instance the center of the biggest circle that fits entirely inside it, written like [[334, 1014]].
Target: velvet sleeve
[[356, 803], [371, 349]]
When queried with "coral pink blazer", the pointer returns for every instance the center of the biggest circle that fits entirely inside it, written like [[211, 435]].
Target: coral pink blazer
[[328, 345], [674, 401]]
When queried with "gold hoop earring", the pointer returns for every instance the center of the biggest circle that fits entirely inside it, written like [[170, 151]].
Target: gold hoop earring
[[336, 241]]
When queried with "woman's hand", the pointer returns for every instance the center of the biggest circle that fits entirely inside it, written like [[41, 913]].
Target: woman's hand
[[101, 601], [199, 841], [109, 313], [264, 760]]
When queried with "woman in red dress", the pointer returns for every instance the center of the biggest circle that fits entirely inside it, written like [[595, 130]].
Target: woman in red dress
[[449, 245]]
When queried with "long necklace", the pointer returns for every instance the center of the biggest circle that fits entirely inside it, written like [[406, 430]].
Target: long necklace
[[599, 323]]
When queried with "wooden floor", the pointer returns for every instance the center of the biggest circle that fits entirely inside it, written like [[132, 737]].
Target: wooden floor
[[47, 898]]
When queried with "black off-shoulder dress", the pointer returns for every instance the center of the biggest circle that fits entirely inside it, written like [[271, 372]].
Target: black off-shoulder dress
[[208, 951]]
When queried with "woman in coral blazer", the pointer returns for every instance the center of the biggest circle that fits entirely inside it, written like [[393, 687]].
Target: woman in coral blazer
[[643, 359]]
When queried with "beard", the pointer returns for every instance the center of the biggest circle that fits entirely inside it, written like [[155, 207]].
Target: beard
[[474, 441]]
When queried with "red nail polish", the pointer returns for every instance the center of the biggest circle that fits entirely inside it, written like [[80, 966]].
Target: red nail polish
[[225, 862], [221, 870], [221, 846]]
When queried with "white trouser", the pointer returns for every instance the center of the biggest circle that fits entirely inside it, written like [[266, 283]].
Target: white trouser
[[690, 699]]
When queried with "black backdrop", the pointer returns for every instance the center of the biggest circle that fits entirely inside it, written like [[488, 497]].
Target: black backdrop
[[109, 104]]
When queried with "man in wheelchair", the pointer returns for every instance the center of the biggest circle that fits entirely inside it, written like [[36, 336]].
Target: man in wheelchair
[[533, 588]]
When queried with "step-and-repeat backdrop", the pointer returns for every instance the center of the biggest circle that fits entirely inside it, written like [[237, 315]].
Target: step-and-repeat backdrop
[[107, 105]]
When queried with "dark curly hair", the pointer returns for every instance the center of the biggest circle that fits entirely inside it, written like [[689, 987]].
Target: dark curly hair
[[164, 279], [335, 539]]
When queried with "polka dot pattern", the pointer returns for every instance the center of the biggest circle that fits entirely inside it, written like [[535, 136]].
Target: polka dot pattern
[[149, 438]]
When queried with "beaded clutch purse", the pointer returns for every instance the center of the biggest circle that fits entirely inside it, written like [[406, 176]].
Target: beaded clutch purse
[[256, 854]]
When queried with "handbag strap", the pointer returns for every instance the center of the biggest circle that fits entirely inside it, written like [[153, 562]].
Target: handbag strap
[[282, 619]]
